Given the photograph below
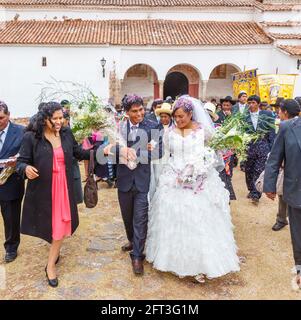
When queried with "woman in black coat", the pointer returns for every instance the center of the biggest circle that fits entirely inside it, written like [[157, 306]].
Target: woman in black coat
[[36, 163]]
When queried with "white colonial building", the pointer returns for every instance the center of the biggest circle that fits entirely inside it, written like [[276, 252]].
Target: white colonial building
[[154, 48]]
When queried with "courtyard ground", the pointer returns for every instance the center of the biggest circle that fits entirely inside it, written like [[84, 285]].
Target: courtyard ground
[[92, 265]]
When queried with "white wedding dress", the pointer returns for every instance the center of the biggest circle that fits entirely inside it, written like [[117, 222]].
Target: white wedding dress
[[190, 232]]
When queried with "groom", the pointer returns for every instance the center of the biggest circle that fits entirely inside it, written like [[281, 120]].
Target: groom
[[143, 143]]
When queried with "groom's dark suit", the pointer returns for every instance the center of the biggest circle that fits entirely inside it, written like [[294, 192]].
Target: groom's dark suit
[[133, 185]]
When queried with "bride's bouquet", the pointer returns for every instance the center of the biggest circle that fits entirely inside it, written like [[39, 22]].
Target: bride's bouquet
[[194, 174]]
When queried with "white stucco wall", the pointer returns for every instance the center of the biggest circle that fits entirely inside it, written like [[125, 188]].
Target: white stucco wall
[[142, 86], [217, 14], [21, 69]]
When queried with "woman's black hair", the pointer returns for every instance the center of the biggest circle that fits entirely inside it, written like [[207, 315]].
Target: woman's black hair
[[45, 114]]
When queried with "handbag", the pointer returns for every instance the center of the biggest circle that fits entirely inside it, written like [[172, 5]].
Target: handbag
[[279, 185], [90, 189]]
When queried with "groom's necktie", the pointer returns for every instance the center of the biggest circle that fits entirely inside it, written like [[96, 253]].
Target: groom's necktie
[[134, 132], [1, 140]]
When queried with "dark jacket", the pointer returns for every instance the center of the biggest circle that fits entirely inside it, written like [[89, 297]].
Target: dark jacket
[[287, 148], [140, 176], [221, 117], [152, 117], [37, 208], [13, 189], [265, 124], [235, 108]]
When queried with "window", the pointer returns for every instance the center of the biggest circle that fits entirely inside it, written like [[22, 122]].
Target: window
[[44, 62]]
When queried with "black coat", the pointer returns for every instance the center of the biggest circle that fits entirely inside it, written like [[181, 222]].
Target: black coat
[[287, 149], [37, 208], [13, 189], [221, 117]]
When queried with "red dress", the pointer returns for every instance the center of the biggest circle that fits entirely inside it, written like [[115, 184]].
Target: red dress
[[61, 213]]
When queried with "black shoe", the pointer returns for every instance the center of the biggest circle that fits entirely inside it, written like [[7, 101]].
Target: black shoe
[[110, 183], [255, 201], [10, 256], [137, 267], [52, 282], [278, 226]]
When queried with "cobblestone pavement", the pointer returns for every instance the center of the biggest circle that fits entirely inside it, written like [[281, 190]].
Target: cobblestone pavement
[[92, 265]]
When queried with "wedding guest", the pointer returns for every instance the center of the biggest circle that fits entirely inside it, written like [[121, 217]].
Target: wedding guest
[[298, 99], [165, 114], [49, 209], [78, 190], [12, 191], [33, 118], [287, 150], [228, 156], [242, 105], [103, 172], [288, 110], [211, 109], [152, 115], [169, 100], [226, 109], [260, 122]]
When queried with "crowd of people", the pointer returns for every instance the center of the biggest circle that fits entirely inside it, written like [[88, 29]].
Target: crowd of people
[[179, 225]]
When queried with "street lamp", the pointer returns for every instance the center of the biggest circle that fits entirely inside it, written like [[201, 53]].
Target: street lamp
[[103, 63]]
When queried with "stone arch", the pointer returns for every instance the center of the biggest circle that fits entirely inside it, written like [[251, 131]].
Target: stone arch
[[142, 80], [192, 75], [220, 81]]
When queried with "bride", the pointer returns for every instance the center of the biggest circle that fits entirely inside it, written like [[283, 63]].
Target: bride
[[190, 232]]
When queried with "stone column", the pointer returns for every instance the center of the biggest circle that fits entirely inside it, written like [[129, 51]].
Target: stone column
[[161, 88], [203, 89]]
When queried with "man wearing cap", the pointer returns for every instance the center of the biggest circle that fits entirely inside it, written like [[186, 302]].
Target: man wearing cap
[[242, 105], [260, 122], [287, 150], [12, 191]]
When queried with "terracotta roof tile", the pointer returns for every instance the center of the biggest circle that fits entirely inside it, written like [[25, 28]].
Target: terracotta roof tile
[[131, 3], [282, 24], [132, 32], [285, 35], [278, 7], [292, 50]]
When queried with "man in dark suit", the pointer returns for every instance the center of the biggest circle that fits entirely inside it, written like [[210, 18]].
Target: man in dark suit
[[261, 122], [152, 115], [12, 191], [242, 105], [227, 104], [142, 143], [287, 149]]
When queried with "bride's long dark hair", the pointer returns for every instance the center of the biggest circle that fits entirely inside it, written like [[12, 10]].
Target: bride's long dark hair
[[44, 114]]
